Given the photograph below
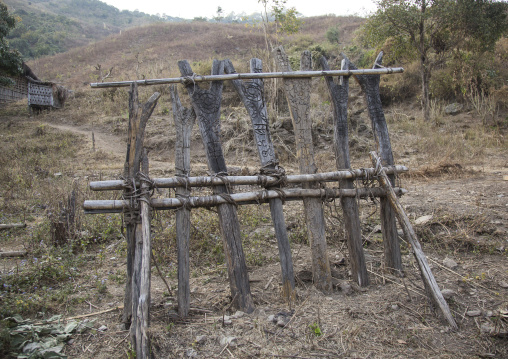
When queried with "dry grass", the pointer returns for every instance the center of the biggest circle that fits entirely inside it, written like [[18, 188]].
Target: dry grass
[[388, 320]]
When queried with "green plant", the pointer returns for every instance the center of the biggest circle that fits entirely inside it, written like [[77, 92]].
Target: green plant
[[316, 330]]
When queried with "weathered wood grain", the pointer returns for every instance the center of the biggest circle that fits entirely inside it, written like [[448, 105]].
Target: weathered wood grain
[[370, 87], [252, 95], [206, 104], [339, 95], [298, 96], [138, 118], [142, 273], [184, 120]]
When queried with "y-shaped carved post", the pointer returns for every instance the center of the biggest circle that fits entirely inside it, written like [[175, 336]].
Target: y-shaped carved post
[[206, 104], [252, 94], [339, 95], [370, 87], [298, 96]]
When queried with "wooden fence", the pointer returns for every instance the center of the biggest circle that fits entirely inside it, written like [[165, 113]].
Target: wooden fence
[[272, 180]]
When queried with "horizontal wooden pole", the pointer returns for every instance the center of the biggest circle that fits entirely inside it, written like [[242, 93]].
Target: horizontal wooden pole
[[261, 75], [13, 254], [12, 225], [117, 206], [247, 180]]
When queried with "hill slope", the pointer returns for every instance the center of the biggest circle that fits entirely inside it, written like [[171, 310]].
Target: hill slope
[[153, 51], [50, 27]]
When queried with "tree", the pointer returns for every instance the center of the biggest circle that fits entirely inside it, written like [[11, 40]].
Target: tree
[[429, 30], [332, 35], [220, 14], [11, 63], [286, 20]]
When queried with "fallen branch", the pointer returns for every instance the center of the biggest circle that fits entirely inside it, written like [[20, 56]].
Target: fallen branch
[[96, 313]]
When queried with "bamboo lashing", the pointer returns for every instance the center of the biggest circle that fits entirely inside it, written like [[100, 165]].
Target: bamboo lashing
[[248, 180], [262, 75]]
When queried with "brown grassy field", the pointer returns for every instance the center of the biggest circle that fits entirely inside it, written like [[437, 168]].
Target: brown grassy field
[[457, 175]]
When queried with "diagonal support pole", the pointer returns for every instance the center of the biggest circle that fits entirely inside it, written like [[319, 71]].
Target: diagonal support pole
[[409, 233]]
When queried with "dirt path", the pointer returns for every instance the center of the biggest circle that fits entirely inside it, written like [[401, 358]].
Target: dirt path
[[108, 143]]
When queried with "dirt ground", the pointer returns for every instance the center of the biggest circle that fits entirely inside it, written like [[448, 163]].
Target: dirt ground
[[461, 217]]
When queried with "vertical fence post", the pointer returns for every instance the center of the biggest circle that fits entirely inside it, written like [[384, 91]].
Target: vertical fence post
[[298, 96], [138, 118], [142, 268], [252, 95], [370, 87], [206, 104], [339, 96], [184, 121]]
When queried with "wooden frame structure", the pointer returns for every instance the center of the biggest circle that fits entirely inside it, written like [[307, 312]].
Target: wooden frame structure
[[136, 184]]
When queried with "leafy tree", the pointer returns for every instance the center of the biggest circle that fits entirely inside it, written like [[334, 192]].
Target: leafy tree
[[10, 61], [286, 20], [430, 30], [332, 35]]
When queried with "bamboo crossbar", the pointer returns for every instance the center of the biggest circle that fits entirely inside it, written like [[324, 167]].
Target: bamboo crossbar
[[173, 182], [117, 206], [262, 75]]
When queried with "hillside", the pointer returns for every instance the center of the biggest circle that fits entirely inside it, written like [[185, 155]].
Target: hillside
[[50, 27], [152, 51]]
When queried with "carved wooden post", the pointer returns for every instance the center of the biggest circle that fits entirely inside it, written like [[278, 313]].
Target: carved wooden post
[[298, 96], [339, 95], [142, 271], [252, 95], [138, 118], [370, 87], [206, 104], [184, 121]]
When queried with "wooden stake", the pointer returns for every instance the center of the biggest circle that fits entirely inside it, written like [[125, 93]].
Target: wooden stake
[[142, 273], [206, 104], [298, 96], [427, 276], [184, 121], [252, 95], [138, 118], [339, 95], [370, 87]]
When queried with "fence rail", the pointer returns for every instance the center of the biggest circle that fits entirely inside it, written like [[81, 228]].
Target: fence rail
[[250, 75]]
